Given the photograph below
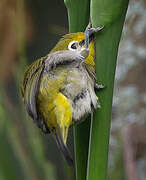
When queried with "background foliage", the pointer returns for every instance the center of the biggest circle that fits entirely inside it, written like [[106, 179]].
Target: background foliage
[[28, 31]]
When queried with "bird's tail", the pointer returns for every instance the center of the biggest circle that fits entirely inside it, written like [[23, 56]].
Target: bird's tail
[[63, 147]]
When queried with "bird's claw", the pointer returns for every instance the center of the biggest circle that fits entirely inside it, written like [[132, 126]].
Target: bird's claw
[[89, 31], [98, 86]]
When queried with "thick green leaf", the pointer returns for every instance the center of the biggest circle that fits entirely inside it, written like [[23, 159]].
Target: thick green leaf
[[111, 14]]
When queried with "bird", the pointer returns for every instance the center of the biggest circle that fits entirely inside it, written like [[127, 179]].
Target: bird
[[59, 89]]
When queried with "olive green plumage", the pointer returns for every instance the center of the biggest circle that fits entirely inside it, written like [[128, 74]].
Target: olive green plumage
[[59, 89]]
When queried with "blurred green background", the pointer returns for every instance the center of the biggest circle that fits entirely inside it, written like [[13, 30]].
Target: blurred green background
[[28, 30]]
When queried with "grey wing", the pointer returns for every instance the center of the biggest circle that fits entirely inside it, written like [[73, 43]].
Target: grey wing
[[63, 58], [31, 92], [31, 85]]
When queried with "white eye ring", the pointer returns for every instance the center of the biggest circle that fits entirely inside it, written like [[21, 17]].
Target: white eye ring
[[73, 45]]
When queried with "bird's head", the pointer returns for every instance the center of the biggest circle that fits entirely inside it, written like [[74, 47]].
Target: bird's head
[[76, 41]]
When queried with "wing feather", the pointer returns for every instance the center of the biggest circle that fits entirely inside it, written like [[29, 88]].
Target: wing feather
[[30, 87]]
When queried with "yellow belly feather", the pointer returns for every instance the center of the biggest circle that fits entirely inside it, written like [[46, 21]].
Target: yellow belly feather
[[53, 105]]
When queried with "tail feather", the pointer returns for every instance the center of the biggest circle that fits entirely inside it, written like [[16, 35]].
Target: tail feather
[[63, 148]]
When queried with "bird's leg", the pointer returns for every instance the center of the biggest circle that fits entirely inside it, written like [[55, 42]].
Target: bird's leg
[[87, 38], [94, 30], [88, 32]]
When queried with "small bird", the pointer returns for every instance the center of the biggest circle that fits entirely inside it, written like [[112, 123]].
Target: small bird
[[58, 90]]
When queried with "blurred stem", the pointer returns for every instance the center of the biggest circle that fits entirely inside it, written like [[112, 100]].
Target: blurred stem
[[21, 38], [111, 14], [78, 14], [9, 164]]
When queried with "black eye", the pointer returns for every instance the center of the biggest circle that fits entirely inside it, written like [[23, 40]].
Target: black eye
[[73, 45]]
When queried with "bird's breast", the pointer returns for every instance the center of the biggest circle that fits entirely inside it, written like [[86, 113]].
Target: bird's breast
[[75, 84], [79, 89]]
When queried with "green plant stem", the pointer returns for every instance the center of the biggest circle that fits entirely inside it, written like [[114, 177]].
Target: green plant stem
[[78, 14], [111, 14]]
